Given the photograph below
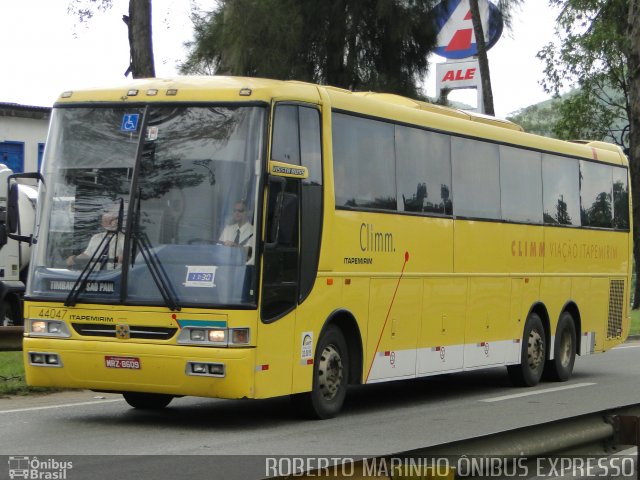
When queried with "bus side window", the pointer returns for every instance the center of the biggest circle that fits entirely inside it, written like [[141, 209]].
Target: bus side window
[[286, 137]]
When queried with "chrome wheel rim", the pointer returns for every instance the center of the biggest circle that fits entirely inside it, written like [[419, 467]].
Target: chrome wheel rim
[[565, 348], [330, 372], [535, 350]]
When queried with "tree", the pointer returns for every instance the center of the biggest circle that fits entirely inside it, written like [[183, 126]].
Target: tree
[[506, 8], [633, 35], [540, 118], [138, 21], [483, 61], [600, 54], [354, 44], [591, 58]]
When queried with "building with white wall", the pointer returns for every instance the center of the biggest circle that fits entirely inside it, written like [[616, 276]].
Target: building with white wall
[[23, 132]]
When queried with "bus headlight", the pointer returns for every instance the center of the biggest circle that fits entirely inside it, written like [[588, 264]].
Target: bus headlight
[[239, 336], [48, 328], [214, 337], [197, 335], [199, 369], [218, 336], [44, 359]]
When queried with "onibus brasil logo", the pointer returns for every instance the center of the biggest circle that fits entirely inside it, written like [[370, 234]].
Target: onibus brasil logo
[[38, 469]]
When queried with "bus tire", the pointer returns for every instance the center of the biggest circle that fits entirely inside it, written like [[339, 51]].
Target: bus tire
[[147, 401], [330, 378], [533, 356], [564, 346]]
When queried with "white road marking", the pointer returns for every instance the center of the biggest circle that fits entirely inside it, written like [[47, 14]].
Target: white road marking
[[625, 346], [537, 392], [62, 405]]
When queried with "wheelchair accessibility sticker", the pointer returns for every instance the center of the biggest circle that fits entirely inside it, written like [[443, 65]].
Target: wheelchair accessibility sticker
[[130, 122]]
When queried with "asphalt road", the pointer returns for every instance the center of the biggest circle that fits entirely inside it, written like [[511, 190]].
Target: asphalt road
[[377, 420]]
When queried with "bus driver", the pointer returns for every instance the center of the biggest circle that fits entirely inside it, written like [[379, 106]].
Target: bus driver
[[240, 232]]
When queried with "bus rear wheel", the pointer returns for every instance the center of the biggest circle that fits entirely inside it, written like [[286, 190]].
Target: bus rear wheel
[[533, 356], [330, 378], [564, 347], [147, 401]]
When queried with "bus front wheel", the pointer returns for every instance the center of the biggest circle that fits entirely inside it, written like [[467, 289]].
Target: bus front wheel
[[330, 378], [560, 368], [147, 401], [533, 355]]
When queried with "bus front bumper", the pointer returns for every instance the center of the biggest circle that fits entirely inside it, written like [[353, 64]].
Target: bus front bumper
[[138, 367]]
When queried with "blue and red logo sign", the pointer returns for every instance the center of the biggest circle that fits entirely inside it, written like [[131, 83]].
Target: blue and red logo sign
[[456, 38]]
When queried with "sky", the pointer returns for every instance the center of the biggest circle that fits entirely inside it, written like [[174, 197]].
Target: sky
[[45, 51]]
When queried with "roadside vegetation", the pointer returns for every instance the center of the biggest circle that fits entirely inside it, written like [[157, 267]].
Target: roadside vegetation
[[12, 381], [635, 322]]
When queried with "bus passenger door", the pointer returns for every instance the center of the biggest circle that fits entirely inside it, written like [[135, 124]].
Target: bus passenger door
[[279, 289], [292, 246]]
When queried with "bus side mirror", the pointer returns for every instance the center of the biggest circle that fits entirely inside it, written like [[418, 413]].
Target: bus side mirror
[[13, 208]]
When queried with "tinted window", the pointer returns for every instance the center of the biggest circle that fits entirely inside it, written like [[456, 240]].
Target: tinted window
[[423, 171], [310, 149], [595, 195], [561, 197], [286, 147], [620, 199], [521, 185], [364, 163], [475, 178], [311, 216]]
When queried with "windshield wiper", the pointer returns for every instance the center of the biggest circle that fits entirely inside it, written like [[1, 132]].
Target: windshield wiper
[[99, 256], [156, 270], [158, 274]]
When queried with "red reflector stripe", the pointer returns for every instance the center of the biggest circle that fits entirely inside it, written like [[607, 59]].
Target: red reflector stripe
[[310, 361]]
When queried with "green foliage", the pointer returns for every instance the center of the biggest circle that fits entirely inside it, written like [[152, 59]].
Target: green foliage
[[12, 375], [539, 119], [635, 322], [584, 115], [85, 9], [589, 56], [356, 44]]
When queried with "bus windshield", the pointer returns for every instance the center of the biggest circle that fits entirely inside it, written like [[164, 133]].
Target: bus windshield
[[152, 205]]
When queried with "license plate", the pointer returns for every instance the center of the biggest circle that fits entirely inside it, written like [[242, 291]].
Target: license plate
[[132, 363]]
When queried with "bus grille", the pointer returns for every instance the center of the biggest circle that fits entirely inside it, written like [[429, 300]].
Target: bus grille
[[616, 298], [135, 331]]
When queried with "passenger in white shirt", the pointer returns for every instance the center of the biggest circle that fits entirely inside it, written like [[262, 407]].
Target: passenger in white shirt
[[110, 223]]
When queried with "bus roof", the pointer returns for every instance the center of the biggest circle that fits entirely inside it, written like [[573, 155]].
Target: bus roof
[[384, 105]]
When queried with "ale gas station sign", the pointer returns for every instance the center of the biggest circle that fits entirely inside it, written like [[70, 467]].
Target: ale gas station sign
[[457, 43]]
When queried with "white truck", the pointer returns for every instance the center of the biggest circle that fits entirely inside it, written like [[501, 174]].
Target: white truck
[[14, 255]]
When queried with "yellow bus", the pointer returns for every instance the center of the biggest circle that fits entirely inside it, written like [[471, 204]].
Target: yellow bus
[[250, 238]]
